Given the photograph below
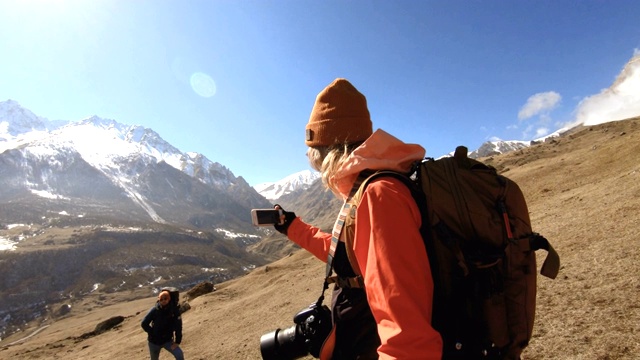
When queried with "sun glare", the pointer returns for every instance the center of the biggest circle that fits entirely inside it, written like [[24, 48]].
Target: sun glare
[[203, 84]]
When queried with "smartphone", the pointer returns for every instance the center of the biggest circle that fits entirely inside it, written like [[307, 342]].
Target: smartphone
[[266, 217]]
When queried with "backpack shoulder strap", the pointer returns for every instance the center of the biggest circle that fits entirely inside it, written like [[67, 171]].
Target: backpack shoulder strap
[[355, 202]]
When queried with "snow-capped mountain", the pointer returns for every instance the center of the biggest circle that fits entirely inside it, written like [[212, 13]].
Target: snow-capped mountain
[[17, 120], [112, 207], [102, 143], [491, 148], [300, 180], [130, 168]]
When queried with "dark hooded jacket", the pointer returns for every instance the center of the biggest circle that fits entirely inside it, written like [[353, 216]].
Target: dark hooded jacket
[[161, 323]]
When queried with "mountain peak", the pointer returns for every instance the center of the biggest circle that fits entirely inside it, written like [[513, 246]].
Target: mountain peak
[[117, 151], [491, 148], [274, 190], [16, 120]]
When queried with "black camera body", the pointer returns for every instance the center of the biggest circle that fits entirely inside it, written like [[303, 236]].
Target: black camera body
[[312, 326]]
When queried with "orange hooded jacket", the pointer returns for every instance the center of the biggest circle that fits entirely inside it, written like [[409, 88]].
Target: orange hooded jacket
[[388, 247]]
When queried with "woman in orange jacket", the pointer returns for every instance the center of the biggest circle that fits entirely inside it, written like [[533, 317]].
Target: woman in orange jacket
[[391, 317]]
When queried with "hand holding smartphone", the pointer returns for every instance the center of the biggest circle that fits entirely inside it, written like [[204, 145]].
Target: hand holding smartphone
[[266, 217]]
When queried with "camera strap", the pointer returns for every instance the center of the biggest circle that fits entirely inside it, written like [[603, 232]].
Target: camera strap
[[347, 207]]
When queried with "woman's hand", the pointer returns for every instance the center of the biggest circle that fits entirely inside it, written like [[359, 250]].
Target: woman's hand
[[286, 218]]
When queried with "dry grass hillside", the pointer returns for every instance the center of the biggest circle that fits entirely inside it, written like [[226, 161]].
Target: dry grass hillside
[[583, 191]]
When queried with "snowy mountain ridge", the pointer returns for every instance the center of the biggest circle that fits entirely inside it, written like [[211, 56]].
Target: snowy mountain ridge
[[300, 180], [491, 148], [102, 143], [99, 164]]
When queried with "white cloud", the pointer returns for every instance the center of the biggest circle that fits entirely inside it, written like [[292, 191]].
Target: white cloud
[[618, 102], [540, 103], [542, 132]]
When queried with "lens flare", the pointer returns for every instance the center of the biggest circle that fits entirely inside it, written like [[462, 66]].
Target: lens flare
[[203, 84]]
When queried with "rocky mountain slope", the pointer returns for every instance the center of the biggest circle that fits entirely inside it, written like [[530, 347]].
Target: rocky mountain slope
[[582, 190], [99, 207]]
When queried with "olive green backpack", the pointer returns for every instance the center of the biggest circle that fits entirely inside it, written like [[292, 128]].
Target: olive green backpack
[[481, 249]]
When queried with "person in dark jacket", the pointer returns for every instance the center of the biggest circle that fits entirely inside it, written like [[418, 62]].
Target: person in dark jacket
[[161, 323]]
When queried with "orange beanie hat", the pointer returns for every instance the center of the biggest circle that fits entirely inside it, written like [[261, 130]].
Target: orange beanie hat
[[339, 115]]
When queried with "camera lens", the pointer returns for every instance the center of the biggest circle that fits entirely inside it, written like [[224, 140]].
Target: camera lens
[[283, 344]]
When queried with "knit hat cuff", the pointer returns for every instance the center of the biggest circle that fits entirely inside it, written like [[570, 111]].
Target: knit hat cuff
[[328, 132]]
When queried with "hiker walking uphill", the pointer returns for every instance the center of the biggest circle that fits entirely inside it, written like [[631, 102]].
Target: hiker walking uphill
[[388, 314], [433, 258], [163, 325]]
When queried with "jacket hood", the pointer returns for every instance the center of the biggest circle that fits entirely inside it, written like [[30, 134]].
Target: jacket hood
[[381, 151]]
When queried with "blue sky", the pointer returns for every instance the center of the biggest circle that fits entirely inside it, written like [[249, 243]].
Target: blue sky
[[236, 80]]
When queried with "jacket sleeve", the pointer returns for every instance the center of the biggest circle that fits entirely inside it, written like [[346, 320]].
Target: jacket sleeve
[[393, 260], [178, 330], [146, 322], [310, 238]]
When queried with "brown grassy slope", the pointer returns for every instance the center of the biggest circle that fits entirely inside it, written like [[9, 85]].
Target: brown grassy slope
[[585, 197], [583, 192]]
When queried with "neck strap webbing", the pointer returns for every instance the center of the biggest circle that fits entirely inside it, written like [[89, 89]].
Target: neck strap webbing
[[338, 225]]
